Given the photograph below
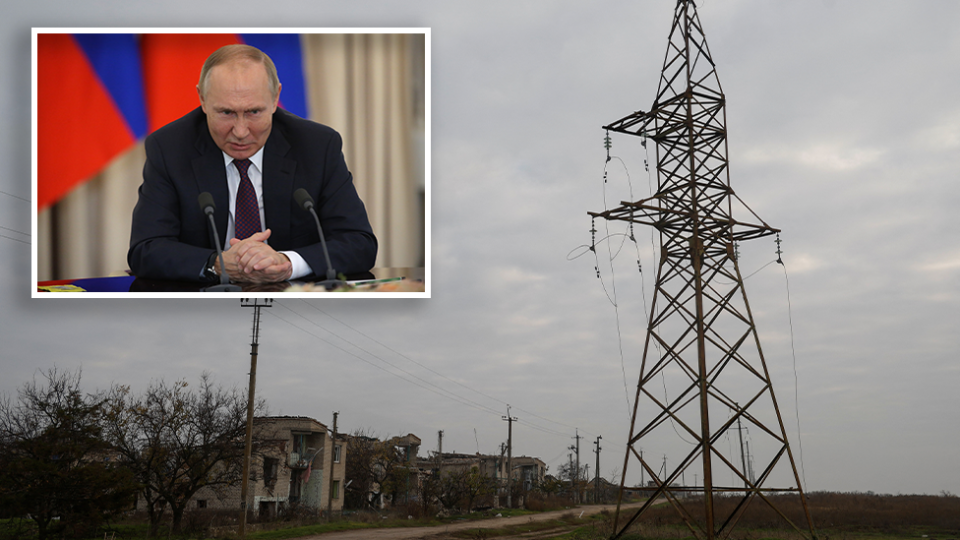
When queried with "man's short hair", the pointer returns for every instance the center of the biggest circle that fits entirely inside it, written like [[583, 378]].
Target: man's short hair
[[229, 53]]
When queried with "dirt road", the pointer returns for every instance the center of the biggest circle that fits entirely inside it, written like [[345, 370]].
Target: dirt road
[[438, 532]]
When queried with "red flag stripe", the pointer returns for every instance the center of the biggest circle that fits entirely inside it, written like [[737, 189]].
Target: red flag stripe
[[171, 68], [79, 128]]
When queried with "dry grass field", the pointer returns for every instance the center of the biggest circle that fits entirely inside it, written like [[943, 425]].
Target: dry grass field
[[846, 516], [836, 516]]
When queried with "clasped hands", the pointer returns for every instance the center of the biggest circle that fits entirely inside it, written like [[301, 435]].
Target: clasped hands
[[253, 261]]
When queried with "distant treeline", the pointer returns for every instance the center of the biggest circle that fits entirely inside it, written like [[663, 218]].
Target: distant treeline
[[71, 460]]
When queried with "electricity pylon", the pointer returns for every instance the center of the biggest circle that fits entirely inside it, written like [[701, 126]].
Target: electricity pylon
[[703, 369]]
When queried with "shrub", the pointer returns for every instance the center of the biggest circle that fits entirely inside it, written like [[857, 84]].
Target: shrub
[[540, 502]]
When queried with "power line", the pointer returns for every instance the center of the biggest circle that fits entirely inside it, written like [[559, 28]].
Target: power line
[[613, 278], [14, 196], [796, 383], [442, 376], [14, 239], [14, 230], [403, 355], [541, 428], [426, 385]]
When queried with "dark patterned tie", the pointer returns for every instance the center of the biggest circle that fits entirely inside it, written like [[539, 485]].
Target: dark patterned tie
[[246, 215]]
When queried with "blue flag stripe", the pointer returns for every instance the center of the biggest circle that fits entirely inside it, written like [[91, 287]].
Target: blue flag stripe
[[116, 60], [286, 53]]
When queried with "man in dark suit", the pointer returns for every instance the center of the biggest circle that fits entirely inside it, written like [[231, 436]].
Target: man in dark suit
[[251, 156]]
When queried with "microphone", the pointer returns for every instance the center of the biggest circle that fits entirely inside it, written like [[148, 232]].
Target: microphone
[[305, 201], [209, 207], [206, 203]]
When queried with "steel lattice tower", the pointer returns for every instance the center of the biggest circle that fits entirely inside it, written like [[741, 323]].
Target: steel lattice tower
[[703, 378]]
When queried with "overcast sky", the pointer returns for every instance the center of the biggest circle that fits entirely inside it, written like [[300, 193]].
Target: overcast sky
[[844, 132]]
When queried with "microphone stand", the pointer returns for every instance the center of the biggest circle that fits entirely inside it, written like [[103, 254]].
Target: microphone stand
[[306, 202], [225, 285]]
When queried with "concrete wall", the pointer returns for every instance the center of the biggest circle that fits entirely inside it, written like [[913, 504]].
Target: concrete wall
[[266, 495]]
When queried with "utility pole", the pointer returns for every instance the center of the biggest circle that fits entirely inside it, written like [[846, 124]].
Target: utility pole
[[643, 482], [577, 475], [596, 490], [586, 480], [503, 452], [510, 420], [333, 454], [256, 304], [439, 451]]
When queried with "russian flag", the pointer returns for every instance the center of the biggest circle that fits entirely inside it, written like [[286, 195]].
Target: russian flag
[[98, 94]]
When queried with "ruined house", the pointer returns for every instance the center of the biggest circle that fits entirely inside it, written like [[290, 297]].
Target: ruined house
[[292, 467]]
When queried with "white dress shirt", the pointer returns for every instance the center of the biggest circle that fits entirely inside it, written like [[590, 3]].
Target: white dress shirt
[[255, 173]]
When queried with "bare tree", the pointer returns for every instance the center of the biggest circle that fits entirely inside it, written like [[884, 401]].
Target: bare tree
[[54, 462], [428, 491], [551, 485], [452, 490], [375, 468], [178, 441], [461, 488], [478, 486], [577, 479]]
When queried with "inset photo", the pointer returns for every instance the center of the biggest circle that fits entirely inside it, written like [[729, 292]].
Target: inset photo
[[211, 163]]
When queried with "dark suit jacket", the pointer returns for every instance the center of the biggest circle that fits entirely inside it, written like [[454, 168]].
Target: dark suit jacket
[[170, 236]]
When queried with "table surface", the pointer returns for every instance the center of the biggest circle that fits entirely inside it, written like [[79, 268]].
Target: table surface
[[117, 284]]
